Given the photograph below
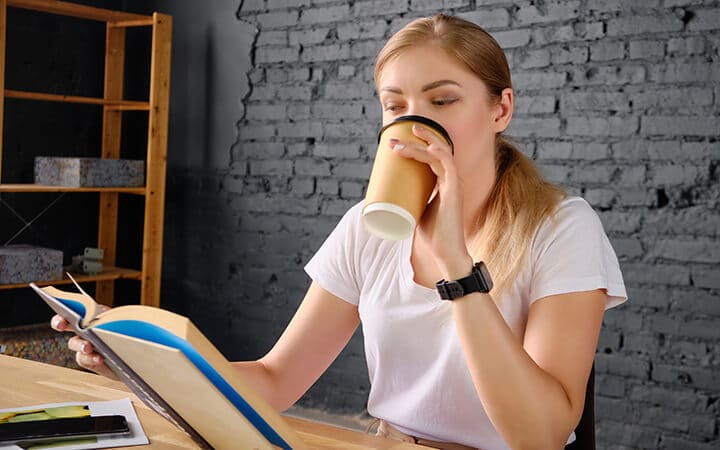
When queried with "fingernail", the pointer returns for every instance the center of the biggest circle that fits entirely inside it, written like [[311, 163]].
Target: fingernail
[[85, 348], [398, 146], [55, 323], [96, 360]]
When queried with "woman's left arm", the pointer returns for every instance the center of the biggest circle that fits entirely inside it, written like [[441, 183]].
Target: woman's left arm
[[533, 391]]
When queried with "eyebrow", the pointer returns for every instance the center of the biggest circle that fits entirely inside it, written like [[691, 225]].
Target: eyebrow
[[425, 88]]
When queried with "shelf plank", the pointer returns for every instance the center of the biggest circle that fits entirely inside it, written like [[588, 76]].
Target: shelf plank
[[109, 273], [111, 104], [75, 10], [29, 187]]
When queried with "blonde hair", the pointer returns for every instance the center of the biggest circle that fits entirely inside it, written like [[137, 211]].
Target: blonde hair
[[521, 199]]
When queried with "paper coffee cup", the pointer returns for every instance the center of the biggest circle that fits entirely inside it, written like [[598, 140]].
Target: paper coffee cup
[[399, 187]]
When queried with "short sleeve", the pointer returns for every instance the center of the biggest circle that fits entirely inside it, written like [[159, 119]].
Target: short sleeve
[[572, 253], [335, 266]]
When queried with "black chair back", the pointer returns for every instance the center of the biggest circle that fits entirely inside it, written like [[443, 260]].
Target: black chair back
[[585, 431]]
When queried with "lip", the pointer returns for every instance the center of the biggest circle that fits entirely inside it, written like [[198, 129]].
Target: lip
[[425, 121]]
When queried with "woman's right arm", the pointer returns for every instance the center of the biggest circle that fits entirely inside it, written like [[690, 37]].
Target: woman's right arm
[[320, 329]]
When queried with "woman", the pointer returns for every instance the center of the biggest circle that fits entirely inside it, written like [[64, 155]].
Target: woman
[[490, 370]]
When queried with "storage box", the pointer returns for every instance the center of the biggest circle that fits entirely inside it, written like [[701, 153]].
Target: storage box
[[89, 172], [26, 263]]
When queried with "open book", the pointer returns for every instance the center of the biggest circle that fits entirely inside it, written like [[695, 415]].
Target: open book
[[176, 371]]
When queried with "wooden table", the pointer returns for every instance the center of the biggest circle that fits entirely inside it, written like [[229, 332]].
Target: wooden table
[[25, 383]]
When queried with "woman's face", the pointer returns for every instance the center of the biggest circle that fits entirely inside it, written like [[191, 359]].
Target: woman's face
[[426, 81]]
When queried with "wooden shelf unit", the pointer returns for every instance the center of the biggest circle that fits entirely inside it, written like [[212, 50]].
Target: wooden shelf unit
[[113, 106]]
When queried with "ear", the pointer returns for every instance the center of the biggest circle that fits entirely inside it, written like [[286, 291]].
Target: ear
[[504, 110]]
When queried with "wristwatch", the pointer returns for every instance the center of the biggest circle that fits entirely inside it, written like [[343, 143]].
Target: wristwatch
[[478, 281]]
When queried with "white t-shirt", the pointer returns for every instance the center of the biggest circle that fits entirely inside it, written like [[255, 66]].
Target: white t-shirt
[[419, 379]]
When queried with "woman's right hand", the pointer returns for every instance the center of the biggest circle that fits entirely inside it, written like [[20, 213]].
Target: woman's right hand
[[85, 354]]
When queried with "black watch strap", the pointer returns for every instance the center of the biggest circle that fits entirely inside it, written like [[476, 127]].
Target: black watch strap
[[478, 281]]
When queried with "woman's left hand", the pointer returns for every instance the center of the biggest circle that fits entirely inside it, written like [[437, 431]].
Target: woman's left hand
[[442, 224]]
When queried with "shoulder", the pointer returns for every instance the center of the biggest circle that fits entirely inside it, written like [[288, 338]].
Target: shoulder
[[572, 222]]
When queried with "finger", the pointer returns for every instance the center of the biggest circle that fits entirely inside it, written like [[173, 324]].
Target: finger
[[58, 323], [80, 345], [92, 362], [431, 138]]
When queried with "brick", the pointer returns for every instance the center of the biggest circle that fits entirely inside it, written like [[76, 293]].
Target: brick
[[325, 14], [365, 49], [697, 377], [554, 173], [345, 71], [693, 45], [609, 340], [521, 127], [644, 49], [272, 38], [675, 399], [260, 111], [353, 170], [303, 129], [704, 19], [590, 151], [307, 166], [695, 221], [532, 59], [683, 72], [251, 6], [373, 29], [261, 150], [675, 174], [702, 250], [620, 221], [254, 131], [672, 98], [351, 190], [644, 24], [607, 50], [553, 34], [271, 167], [277, 19], [608, 75], [551, 12], [488, 19], [600, 198], [554, 150], [683, 126], [656, 297], [679, 443], [627, 248], [656, 274], [634, 437], [534, 104], [328, 186], [273, 54], [302, 186], [595, 101], [539, 80], [623, 366], [310, 36], [349, 129], [601, 126], [575, 54], [340, 151], [341, 91], [287, 4], [379, 7], [337, 207], [512, 39], [706, 277], [294, 93], [273, 203], [337, 110], [331, 52], [639, 196]]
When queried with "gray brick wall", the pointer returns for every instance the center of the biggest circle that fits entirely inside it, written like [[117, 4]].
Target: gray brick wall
[[617, 100]]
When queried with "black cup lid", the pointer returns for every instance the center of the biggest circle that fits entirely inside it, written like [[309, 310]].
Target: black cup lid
[[425, 121]]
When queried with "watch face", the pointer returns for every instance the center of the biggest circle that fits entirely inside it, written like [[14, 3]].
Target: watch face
[[486, 276]]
